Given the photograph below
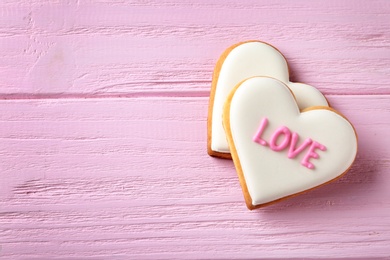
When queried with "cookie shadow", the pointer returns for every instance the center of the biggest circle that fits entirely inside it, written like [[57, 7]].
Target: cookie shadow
[[294, 70]]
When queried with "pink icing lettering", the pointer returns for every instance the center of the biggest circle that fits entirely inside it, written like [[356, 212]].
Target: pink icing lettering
[[287, 137], [312, 154], [257, 136], [292, 151]]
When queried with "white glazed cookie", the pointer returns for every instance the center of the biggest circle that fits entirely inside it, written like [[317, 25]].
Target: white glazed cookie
[[242, 61], [279, 151]]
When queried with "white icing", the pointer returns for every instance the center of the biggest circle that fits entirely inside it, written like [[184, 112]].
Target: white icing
[[270, 175], [248, 60]]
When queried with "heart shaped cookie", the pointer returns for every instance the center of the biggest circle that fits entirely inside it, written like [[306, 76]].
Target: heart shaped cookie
[[278, 150], [242, 61]]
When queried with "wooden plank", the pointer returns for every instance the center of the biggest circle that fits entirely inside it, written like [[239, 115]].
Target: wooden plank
[[89, 48], [130, 177]]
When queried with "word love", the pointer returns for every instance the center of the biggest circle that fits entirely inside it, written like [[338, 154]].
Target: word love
[[289, 138]]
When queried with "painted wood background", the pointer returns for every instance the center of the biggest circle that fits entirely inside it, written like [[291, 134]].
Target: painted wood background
[[103, 109]]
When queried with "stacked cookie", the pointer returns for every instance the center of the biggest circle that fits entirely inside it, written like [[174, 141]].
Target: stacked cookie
[[283, 137]]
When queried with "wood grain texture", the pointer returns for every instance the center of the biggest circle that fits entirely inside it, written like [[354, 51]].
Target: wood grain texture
[[103, 130], [117, 178], [115, 48]]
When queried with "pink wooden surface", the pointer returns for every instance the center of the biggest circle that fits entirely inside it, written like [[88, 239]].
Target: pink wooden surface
[[103, 130]]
